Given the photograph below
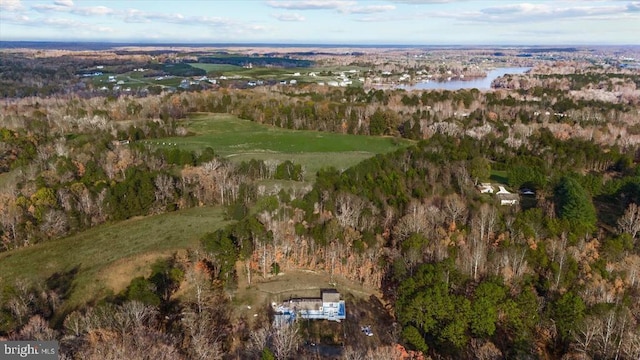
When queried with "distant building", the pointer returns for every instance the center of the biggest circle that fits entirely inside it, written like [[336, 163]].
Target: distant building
[[327, 307], [510, 201], [507, 198], [485, 188]]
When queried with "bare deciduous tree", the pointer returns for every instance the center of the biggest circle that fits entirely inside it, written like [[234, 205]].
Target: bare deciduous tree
[[204, 343], [285, 340], [258, 340], [415, 221], [585, 334], [164, 188], [455, 209], [54, 223], [21, 303], [384, 353], [37, 329], [353, 354], [10, 217], [629, 223], [348, 209]]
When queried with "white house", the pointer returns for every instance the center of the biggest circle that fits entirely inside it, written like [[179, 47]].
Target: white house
[[327, 307], [508, 202], [507, 198], [485, 188]]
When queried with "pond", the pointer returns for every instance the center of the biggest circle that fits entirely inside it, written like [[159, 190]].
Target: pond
[[477, 83]]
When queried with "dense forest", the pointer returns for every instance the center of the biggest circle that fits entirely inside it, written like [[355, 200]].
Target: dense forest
[[555, 276]]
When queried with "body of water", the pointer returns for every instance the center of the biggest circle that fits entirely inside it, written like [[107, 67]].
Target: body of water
[[478, 83]]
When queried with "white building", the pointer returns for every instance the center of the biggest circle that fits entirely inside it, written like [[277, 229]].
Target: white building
[[327, 307]]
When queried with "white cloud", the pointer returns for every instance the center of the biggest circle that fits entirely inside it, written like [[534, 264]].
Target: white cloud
[[67, 7], [60, 22], [422, 2], [524, 11], [386, 18], [94, 11], [67, 3], [220, 24], [55, 23], [10, 5], [209, 21], [50, 8], [345, 7], [633, 6], [289, 17], [528, 12], [14, 18], [311, 4], [369, 9]]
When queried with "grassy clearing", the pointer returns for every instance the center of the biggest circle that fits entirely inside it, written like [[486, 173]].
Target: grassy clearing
[[499, 176], [249, 299], [107, 257], [241, 140], [223, 68]]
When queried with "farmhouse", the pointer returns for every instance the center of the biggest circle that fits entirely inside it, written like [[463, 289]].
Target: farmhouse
[[507, 198], [327, 307], [511, 199]]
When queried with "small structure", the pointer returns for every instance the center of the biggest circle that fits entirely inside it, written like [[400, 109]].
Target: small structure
[[507, 198], [526, 191], [366, 330], [485, 188], [510, 201], [184, 84], [327, 307]]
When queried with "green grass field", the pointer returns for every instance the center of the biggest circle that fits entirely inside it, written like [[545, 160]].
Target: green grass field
[[217, 67], [241, 140], [499, 176], [107, 257]]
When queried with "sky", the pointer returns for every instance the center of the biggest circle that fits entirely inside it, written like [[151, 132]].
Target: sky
[[364, 22]]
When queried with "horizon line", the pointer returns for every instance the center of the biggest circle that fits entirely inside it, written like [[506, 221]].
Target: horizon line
[[299, 44]]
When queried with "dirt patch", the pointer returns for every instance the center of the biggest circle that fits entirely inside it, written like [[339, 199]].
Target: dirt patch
[[119, 274], [252, 300]]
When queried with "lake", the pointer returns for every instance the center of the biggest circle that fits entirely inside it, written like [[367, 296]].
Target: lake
[[478, 83]]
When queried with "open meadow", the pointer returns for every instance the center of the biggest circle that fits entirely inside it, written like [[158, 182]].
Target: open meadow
[[241, 140], [105, 258]]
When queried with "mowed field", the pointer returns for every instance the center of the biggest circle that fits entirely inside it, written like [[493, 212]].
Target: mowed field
[[242, 140], [104, 259]]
